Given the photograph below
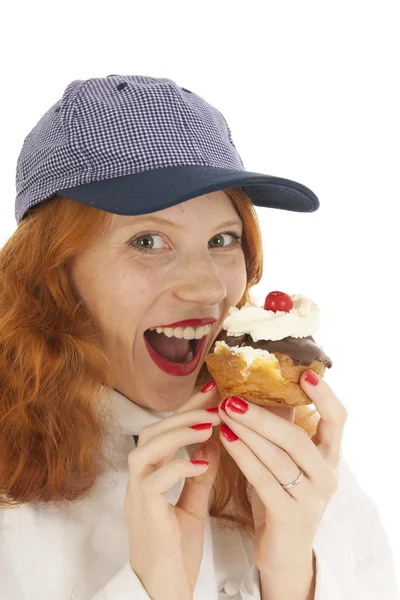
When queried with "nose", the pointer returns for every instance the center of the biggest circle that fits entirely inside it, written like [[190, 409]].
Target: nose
[[200, 281]]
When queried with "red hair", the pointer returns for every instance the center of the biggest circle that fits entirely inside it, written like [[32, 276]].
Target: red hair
[[53, 428]]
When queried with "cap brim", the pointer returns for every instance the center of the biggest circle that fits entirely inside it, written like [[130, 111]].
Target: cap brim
[[154, 190]]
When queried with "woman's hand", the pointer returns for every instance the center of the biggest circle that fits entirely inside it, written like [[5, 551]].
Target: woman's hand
[[165, 541], [270, 451]]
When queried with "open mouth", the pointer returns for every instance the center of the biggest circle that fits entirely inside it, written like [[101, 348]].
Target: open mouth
[[174, 350]]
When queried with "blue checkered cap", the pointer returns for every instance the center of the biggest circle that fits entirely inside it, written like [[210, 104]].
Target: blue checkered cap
[[106, 128]]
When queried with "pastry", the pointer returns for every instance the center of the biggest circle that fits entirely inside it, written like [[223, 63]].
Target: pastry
[[261, 352]]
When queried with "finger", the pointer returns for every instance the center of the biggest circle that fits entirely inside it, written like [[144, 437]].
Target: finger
[[145, 459], [285, 412], [194, 497], [188, 418], [329, 434], [246, 452], [201, 399], [284, 469], [192, 412], [286, 435]]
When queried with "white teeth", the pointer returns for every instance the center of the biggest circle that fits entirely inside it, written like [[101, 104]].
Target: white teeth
[[188, 333], [201, 331]]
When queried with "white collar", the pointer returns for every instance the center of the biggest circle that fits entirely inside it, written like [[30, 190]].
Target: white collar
[[130, 417]]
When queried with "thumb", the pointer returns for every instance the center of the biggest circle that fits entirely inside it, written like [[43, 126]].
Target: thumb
[[195, 494]]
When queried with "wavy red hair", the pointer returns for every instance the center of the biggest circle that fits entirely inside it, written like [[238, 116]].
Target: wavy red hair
[[53, 427]]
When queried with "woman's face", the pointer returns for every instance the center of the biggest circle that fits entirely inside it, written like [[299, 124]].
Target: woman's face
[[146, 273]]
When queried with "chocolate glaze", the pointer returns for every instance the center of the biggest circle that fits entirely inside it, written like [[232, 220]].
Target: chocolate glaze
[[302, 350]]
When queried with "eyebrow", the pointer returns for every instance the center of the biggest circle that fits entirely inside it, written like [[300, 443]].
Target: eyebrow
[[146, 219]]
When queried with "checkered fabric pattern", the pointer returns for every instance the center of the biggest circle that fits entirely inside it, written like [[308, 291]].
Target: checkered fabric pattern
[[119, 125]]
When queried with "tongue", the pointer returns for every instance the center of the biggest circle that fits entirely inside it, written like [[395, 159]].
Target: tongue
[[171, 348]]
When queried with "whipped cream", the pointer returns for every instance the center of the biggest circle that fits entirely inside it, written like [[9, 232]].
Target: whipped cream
[[301, 321], [252, 356], [248, 353]]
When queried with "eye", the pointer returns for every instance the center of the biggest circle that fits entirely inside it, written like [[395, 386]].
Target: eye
[[147, 244], [219, 239], [145, 241]]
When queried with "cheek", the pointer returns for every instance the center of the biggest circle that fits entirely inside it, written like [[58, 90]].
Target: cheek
[[111, 294], [235, 277], [130, 295]]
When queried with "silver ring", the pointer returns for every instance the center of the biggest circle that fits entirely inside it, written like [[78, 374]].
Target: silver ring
[[296, 482]]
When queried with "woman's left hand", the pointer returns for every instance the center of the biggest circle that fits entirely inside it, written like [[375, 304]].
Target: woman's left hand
[[270, 452]]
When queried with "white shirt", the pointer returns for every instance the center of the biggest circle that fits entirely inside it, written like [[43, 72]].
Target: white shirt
[[81, 552]]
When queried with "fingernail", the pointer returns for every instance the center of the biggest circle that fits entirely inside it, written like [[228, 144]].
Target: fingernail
[[311, 378], [237, 404], [214, 409], [209, 386], [228, 433], [201, 426], [200, 462], [224, 404]]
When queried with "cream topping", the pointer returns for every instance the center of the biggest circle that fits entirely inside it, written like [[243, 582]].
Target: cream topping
[[302, 320]]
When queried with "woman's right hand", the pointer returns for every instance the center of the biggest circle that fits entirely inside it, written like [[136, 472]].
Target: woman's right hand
[[165, 541]]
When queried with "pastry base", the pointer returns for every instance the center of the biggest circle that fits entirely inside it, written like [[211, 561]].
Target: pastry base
[[262, 384]]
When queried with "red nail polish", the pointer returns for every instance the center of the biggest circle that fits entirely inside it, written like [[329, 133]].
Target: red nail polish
[[237, 404], [224, 404], [311, 378], [228, 433], [201, 426], [200, 462], [209, 386], [214, 409]]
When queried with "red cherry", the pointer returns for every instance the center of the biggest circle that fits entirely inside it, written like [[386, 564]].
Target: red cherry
[[278, 301]]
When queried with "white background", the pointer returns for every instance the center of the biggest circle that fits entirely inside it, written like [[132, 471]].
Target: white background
[[309, 90]]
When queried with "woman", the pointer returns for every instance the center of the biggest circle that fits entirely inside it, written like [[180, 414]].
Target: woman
[[134, 211]]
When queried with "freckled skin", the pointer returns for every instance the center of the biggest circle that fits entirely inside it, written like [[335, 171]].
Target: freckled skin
[[185, 275]]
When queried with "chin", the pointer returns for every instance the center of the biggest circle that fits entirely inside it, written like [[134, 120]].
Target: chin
[[172, 396]]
